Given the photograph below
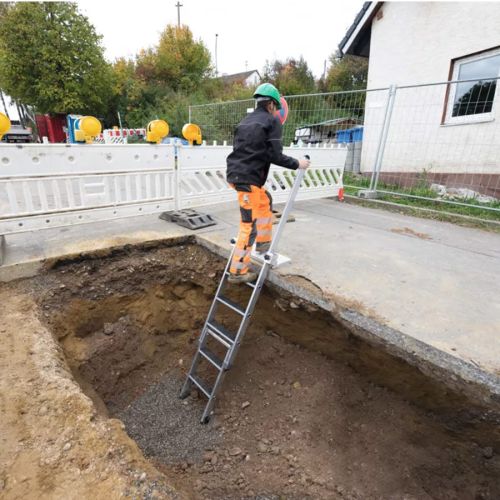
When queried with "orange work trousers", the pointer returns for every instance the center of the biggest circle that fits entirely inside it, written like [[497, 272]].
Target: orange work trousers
[[255, 224]]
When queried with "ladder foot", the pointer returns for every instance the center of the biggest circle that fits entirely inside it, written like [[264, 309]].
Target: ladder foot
[[185, 391], [205, 420]]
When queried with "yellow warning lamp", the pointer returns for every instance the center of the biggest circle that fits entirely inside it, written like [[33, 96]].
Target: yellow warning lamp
[[156, 131], [86, 128], [192, 133], [4, 124]]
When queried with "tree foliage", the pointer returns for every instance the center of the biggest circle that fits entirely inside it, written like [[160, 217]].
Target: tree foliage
[[291, 77], [51, 58], [179, 61], [346, 73]]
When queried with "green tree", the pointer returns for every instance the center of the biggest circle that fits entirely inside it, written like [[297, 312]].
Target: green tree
[[51, 58], [291, 77], [179, 61], [128, 88], [345, 73]]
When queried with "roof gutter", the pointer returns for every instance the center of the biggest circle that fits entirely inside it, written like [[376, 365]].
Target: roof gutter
[[362, 19]]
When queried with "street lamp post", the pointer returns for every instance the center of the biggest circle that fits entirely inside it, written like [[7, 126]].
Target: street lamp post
[[216, 66]]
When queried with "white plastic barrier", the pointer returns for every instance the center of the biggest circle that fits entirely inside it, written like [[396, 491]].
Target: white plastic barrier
[[56, 185], [202, 175], [51, 185]]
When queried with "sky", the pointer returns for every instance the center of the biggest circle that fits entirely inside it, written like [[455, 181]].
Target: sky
[[249, 32]]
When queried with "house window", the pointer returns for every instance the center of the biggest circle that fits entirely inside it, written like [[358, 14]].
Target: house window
[[472, 100]]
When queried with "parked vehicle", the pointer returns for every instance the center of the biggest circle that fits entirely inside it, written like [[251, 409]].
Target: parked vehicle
[[18, 133]]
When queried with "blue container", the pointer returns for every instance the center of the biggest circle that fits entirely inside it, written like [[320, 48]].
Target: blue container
[[357, 134], [344, 136], [350, 135]]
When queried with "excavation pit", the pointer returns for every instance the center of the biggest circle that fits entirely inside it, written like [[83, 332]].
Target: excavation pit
[[308, 410]]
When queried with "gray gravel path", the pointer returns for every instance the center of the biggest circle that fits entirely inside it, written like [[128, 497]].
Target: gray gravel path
[[167, 428]]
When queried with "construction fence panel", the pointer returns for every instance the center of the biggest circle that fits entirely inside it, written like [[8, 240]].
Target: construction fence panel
[[54, 184], [442, 146], [202, 175], [218, 121], [331, 119]]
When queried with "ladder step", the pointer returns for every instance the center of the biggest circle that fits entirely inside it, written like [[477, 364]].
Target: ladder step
[[232, 305], [222, 334], [210, 356], [198, 383]]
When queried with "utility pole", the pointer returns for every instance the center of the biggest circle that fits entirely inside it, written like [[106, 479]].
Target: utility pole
[[216, 67], [178, 5], [246, 65]]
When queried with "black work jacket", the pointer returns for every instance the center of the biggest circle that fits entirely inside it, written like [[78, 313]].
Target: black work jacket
[[257, 144]]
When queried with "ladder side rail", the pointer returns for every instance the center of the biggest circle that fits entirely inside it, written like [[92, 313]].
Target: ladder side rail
[[286, 212], [196, 358], [249, 311], [231, 354]]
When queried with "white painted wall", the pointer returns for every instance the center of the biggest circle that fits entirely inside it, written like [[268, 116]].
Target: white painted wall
[[252, 80], [414, 43]]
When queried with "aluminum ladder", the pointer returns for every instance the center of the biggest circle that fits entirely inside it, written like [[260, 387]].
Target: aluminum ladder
[[232, 341]]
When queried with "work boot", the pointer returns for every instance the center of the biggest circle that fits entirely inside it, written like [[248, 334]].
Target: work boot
[[262, 248], [248, 277]]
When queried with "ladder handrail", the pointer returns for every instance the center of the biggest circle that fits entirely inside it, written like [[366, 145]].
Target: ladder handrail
[[286, 211]]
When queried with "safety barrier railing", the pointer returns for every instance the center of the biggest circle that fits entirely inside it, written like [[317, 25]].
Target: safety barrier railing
[[202, 175], [52, 185]]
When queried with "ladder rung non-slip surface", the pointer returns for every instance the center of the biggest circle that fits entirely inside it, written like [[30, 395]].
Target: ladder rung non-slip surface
[[221, 333], [232, 305], [201, 385], [211, 357]]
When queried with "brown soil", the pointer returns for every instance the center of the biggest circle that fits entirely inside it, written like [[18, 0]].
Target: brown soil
[[290, 423]]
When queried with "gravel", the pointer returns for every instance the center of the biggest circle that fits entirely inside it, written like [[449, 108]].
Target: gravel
[[167, 428]]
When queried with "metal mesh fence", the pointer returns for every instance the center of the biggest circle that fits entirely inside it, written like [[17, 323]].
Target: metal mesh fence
[[429, 146], [442, 146], [312, 118], [316, 119], [219, 120]]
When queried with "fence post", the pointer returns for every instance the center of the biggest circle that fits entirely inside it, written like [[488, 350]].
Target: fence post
[[383, 137], [177, 176]]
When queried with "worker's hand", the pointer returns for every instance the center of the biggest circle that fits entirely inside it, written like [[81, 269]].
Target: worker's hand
[[304, 163]]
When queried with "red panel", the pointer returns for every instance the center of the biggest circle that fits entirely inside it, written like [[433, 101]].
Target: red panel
[[41, 125], [55, 124]]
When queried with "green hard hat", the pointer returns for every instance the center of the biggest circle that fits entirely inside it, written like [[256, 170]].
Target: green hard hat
[[268, 90]]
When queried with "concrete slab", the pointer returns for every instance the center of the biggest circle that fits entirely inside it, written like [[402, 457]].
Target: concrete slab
[[421, 284]]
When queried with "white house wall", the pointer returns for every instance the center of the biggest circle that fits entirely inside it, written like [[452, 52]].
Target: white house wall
[[414, 43]]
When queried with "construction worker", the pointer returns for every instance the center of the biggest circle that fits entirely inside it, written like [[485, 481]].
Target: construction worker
[[257, 144]]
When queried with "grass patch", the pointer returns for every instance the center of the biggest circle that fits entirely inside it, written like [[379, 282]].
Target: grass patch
[[471, 208]]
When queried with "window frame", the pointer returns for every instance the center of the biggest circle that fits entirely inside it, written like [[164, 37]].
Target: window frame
[[452, 89]]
